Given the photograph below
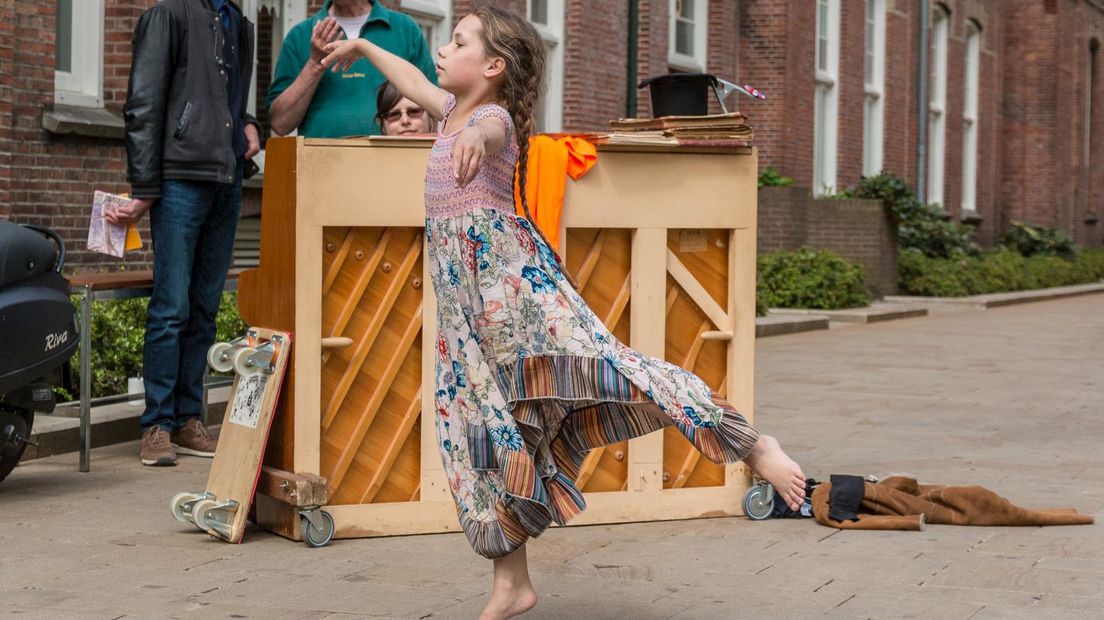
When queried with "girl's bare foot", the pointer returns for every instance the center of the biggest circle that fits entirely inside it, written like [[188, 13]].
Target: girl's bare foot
[[773, 465], [513, 593], [509, 602]]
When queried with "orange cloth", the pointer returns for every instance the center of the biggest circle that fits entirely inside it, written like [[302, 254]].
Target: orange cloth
[[551, 161]]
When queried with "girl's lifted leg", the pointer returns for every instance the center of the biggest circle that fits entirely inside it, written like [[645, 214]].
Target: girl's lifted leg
[[769, 461], [513, 593]]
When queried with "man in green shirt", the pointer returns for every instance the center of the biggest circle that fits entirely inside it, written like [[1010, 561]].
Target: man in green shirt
[[321, 104]]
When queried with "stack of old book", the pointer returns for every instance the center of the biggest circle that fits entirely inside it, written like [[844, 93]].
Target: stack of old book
[[714, 130]]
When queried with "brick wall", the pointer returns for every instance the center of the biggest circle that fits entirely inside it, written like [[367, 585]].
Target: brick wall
[[7, 83], [1034, 62], [53, 176], [858, 230]]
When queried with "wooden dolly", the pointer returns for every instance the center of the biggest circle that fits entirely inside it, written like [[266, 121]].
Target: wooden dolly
[[259, 360]]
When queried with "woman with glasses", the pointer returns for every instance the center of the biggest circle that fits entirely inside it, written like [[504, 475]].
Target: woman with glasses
[[399, 116]]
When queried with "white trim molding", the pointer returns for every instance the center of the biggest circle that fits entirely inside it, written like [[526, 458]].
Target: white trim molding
[[937, 104], [82, 84], [692, 14], [551, 30], [970, 118], [826, 104], [874, 87]]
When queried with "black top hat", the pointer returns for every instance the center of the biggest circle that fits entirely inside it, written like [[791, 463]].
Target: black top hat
[[680, 94]]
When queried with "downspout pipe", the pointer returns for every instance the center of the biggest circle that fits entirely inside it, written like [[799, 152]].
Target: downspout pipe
[[922, 106], [633, 54]]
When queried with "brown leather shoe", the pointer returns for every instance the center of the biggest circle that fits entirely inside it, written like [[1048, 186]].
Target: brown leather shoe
[[194, 439], [157, 449]]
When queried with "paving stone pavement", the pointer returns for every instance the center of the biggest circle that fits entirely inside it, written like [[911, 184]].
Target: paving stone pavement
[[1010, 398]]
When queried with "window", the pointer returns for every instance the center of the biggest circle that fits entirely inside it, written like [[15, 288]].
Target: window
[[873, 87], [825, 105], [937, 104], [435, 19], [687, 35], [547, 16], [970, 118], [78, 52]]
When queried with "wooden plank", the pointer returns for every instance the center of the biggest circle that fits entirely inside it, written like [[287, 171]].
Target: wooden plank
[[392, 451], [590, 261], [696, 291], [236, 467], [434, 487], [352, 442], [293, 489], [338, 261], [649, 277], [278, 517], [364, 276], [740, 380], [267, 294], [368, 338]]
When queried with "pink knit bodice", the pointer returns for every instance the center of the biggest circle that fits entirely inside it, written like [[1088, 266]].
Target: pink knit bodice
[[493, 185]]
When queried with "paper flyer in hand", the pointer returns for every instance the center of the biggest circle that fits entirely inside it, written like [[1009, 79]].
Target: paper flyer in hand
[[107, 237]]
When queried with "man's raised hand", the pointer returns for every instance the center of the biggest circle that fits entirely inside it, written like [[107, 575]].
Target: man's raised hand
[[325, 31]]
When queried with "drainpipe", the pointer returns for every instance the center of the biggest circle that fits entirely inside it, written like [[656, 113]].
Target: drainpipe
[[634, 28], [922, 107]]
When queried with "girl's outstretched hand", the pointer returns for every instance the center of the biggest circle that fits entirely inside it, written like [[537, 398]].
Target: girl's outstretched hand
[[342, 54], [467, 154]]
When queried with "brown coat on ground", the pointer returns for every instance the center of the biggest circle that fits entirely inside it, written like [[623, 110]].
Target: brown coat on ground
[[900, 503]]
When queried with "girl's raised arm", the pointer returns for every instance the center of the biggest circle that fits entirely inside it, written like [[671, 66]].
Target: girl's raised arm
[[407, 78]]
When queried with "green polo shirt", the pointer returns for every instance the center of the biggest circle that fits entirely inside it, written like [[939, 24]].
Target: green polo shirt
[[345, 103]]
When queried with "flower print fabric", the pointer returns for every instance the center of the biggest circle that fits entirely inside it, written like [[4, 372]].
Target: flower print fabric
[[527, 378]]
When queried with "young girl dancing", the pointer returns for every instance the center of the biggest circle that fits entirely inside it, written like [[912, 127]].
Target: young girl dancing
[[527, 378]]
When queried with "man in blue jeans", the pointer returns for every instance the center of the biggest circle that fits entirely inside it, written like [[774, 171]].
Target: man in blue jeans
[[187, 136]]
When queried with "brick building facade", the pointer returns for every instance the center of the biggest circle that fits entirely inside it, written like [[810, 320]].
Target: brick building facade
[[1033, 123]]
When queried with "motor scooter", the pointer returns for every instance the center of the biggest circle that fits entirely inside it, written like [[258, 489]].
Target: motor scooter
[[38, 332]]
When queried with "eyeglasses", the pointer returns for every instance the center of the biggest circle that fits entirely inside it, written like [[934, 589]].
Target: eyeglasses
[[412, 113]]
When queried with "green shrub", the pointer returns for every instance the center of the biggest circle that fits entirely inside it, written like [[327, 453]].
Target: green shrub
[[1093, 262], [809, 278], [996, 271], [1031, 240], [770, 177], [919, 226], [118, 335]]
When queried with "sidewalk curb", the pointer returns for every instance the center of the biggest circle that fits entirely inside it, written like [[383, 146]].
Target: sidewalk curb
[[995, 300], [875, 313], [780, 325]]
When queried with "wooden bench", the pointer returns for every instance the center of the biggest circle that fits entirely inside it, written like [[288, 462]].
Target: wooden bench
[[99, 287]]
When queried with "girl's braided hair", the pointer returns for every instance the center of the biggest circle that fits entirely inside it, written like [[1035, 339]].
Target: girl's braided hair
[[511, 37]]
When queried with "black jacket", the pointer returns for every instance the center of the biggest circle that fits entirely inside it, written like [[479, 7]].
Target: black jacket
[[178, 123]]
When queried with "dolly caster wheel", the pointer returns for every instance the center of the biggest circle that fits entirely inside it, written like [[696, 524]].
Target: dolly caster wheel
[[759, 502], [182, 504], [241, 362], [317, 527], [219, 357]]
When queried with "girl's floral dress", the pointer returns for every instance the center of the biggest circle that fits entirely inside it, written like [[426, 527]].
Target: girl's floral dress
[[527, 378]]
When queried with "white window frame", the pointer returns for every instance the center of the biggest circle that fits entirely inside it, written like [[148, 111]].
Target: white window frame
[[550, 117], [83, 85], [937, 104], [970, 117], [826, 103], [434, 15], [874, 87], [697, 61]]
